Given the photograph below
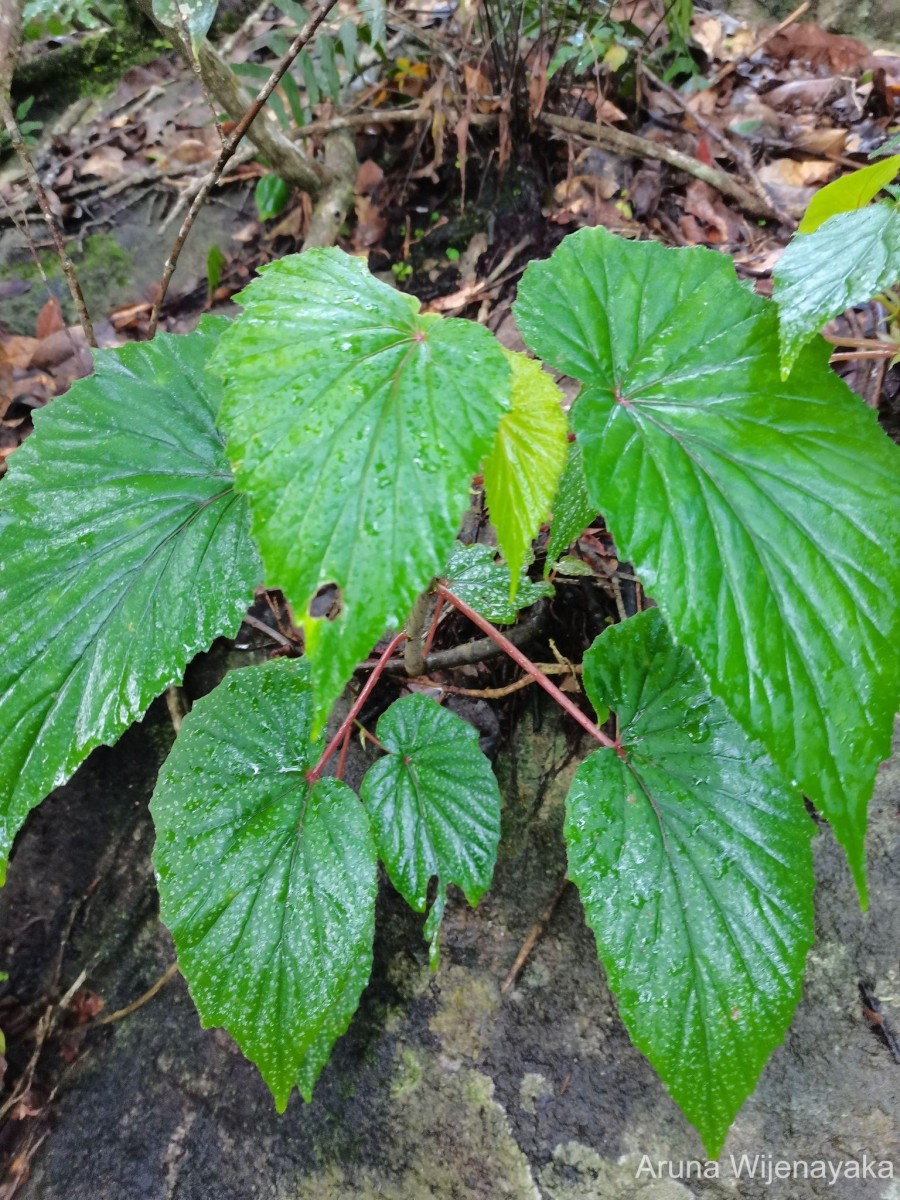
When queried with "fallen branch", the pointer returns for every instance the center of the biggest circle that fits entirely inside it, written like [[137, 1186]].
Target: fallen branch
[[634, 146], [207, 57], [330, 210]]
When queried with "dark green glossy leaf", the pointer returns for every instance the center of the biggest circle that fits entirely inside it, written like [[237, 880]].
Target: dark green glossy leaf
[[473, 574], [761, 514], [271, 195], [434, 804], [355, 424], [123, 552], [573, 509], [694, 866], [847, 261], [267, 885], [522, 471]]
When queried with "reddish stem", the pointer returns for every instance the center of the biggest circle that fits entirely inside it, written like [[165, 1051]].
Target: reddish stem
[[342, 760], [313, 775], [527, 665]]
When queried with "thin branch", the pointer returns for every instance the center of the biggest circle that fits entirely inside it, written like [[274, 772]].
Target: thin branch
[[355, 708], [170, 972], [630, 144], [498, 693], [527, 665], [40, 195], [535, 932], [228, 149]]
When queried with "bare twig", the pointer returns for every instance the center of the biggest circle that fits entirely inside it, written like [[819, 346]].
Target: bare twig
[[527, 665], [738, 153], [170, 972], [498, 693], [229, 147], [535, 932], [631, 144], [40, 195]]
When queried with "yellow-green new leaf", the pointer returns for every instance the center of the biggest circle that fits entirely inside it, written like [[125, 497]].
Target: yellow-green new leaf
[[848, 193], [522, 472]]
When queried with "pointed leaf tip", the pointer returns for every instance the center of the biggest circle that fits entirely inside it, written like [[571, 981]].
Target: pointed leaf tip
[[761, 515], [694, 866], [267, 885]]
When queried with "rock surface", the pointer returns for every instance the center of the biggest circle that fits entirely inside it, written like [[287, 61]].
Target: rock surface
[[445, 1087]]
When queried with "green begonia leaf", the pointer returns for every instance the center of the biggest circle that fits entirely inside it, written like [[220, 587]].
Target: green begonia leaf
[[355, 425], [850, 192], [434, 804], [523, 469], [762, 515], [694, 866], [473, 574], [267, 884], [847, 261], [124, 551], [573, 509]]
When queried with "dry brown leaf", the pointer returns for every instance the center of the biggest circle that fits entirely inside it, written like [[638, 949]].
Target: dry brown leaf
[[16, 351], [49, 320], [107, 162], [705, 203], [807, 43], [191, 150], [791, 172], [821, 141]]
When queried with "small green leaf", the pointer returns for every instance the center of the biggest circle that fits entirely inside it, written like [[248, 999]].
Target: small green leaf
[[522, 472], [694, 867], [271, 195], [761, 515], [473, 574], [848, 193], [267, 884], [215, 261], [573, 509], [847, 261], [310, 79], [124, 551], [356, 425], [569, 565], [434, 805], [195, 16]]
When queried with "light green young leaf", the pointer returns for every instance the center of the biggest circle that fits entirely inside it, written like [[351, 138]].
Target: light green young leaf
[[847, 261], [762, 515], [124, 551], [473, 574], [434, 805], [573, 509], [195, 16], [694, 867], [848, 193], [355, 425], [522, 471], [271, 195], [267, 884]]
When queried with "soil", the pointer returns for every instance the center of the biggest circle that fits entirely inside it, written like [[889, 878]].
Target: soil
[[445, 1086]]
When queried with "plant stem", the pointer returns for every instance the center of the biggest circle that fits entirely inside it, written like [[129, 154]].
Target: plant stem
[[527, 665], [334, 744]]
